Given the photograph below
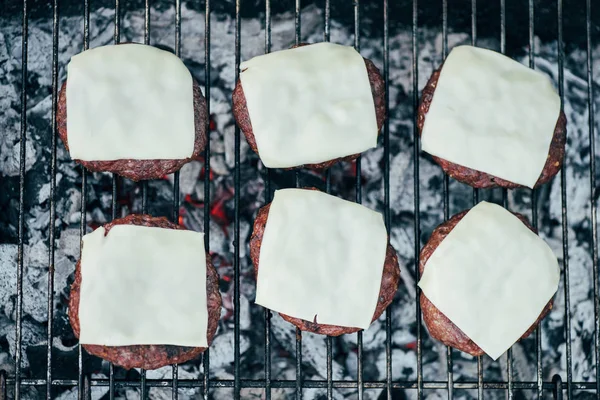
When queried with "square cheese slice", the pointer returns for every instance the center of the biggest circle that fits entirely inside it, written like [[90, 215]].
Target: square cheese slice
[[321, 258], [129, 101], [492, 114], [309, 104], [492, 277], [142, 285]]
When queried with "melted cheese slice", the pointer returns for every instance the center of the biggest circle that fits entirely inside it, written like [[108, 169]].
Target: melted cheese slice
[[492, 277], [129, 101], [142, 285], [492, 114], [321, 258], [309, 104]]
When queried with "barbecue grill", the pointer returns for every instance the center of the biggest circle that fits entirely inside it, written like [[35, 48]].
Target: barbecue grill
[[13, 384]]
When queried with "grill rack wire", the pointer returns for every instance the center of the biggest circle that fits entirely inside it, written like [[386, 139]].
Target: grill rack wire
[[557, 386]]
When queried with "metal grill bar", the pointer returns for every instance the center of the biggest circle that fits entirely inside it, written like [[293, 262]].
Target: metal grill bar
[[267, 354], [557, 390], [3, 394], [21, 223], [147, 26], [298, 21], [236, 258], [509, 354], [178, 28], [473, 22], [417, 200], [115, 182], [531, 49], [358, 199], [175, 382], [444, 55], [474, 43], [329, 339], [267, 312], [206, 355], [143, 392], [386, 187], [563, 196], [82, 225], [327, 33], [87, 388], [593, 211], [329, 368], [503, 26], [52, 230], [310, 383], [144, 190], [117, 35], [534, 211], [446, 190], [145, 183], [298, 38], [175, 370], [480, 382], [298, 360]]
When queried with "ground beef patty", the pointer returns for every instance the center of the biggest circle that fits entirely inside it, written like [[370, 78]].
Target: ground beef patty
[[440, 327], [149, 356], [240, 111], [389, 281], [140, 169], [480, 179]]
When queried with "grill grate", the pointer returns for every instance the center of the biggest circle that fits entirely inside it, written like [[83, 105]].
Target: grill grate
[[84, 382]]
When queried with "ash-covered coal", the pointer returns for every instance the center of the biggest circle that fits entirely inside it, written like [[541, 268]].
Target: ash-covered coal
[[253, 194]]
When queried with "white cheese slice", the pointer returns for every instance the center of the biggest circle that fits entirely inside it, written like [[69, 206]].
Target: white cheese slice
[[309, 104], [492, 277], [142, 285], [129, 101], [492, 114], [321, 258]]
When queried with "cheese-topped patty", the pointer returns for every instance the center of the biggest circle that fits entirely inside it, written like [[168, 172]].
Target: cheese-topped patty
[[491, 276], [321, 259], [491, 114], [143, 285], [309, 104], [129, 101]]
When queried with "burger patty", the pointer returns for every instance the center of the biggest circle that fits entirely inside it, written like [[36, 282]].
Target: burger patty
[[149, 356], [141, 169], [480, 179], [389, 281], [240, 112], [440, 327]]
